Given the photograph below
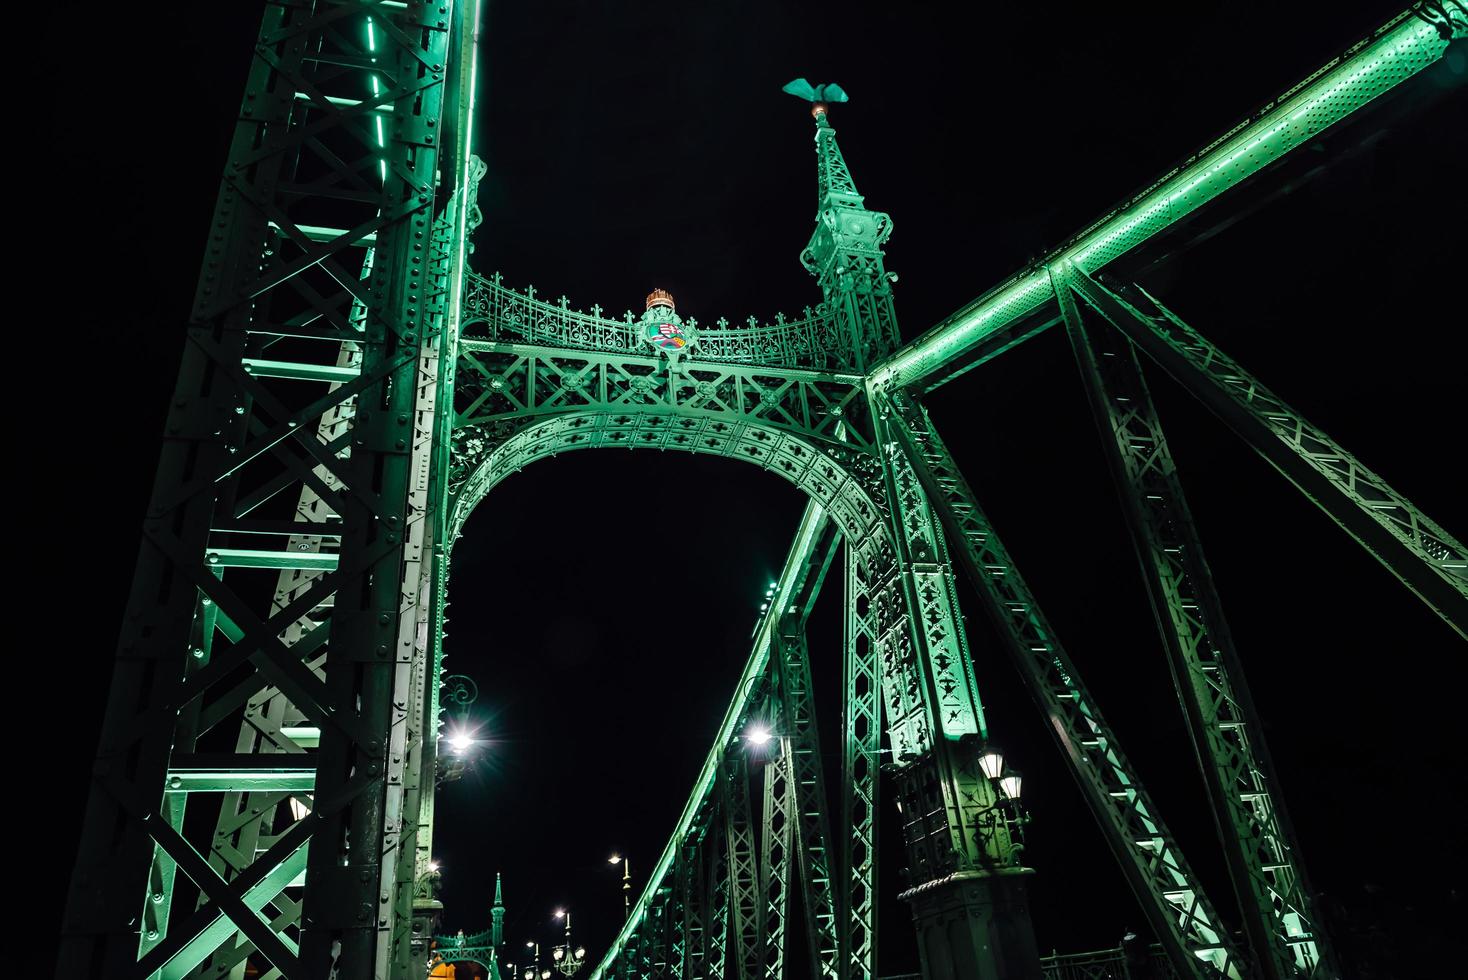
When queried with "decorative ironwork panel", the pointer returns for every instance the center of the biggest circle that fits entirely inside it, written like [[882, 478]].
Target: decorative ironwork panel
[[494, 312]]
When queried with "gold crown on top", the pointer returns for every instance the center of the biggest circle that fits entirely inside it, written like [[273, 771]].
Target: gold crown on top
[[660, 297]]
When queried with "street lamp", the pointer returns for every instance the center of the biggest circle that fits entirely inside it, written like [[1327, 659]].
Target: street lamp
[[614, 860], [567, 957], [534, 971], [456, 693], [1006, 783]]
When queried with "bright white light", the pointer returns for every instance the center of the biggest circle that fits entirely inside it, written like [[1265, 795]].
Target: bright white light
[[615, 859], [1010, 784], [580, 952], [460, 741], [758, 735], [433, 866], [992, 762], [529, 945], [544, 975], [560, 913], [557, 954]]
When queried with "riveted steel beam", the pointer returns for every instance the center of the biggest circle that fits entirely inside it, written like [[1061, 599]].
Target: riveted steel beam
[[1412, 546], [1166, 887], [1392, 54], [1263, 855]]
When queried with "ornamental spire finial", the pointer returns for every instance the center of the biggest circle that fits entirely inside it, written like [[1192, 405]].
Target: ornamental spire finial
[[817, 95]]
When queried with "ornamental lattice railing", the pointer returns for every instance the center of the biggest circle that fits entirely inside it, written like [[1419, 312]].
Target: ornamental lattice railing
[[495, 312]]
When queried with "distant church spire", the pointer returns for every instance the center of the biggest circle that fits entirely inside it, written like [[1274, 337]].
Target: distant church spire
[[497, 915]]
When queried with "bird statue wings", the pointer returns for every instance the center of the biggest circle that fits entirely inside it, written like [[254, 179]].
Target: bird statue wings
[[801, 89]]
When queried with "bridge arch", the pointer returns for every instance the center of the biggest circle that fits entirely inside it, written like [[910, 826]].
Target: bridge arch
[[845, 481]]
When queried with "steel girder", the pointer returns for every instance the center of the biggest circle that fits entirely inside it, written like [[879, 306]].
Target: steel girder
[[718, 812], [1022, 306], [1166, 887], [502, 387], [861, 748], [745, 901], [1264, 857], [306, 188], [1413, 547], [716, 928], [776, 869], [802, 750]]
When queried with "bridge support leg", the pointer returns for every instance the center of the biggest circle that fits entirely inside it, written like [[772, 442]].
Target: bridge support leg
[[971, 916], [975, 925]]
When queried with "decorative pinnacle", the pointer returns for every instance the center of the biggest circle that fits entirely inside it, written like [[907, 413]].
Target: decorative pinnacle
[[498, 901], [660, 297], [817, 95]]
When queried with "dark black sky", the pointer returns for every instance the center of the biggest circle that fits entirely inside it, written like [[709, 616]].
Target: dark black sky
[[648, 144]]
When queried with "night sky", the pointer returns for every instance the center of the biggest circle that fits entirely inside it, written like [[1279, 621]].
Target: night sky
[[604, 601]]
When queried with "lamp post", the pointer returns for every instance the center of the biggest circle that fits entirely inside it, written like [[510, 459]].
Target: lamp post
[[533, 971], [567, 957], [1006, 783], [616, 859], [458, 691]]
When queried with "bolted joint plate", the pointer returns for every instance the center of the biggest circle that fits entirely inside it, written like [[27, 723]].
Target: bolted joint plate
[[341, 898]]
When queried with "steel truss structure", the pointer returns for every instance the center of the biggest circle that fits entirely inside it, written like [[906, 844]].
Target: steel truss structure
[[351, 393]]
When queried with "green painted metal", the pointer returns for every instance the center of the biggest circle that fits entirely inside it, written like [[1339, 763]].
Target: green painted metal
[[776, 863], [861, 748], [238, 458], [435, 384], [261, 368], [1395, 52], [820, 904], [220, 928], [709, 786], [478, 947], [1264, 858], [1412, 546], [1166, 887]]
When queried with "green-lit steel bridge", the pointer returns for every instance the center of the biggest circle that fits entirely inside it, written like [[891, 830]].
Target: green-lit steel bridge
[[351, 391]]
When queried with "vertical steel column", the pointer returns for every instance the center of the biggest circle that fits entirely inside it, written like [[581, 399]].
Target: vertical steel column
[[807, 807], [1263, 858], [385, 529], [961, 861], [860, 755], [716, 905], [659, 934], [692, 905], [277, 277], [743, 881], [776, 835]]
